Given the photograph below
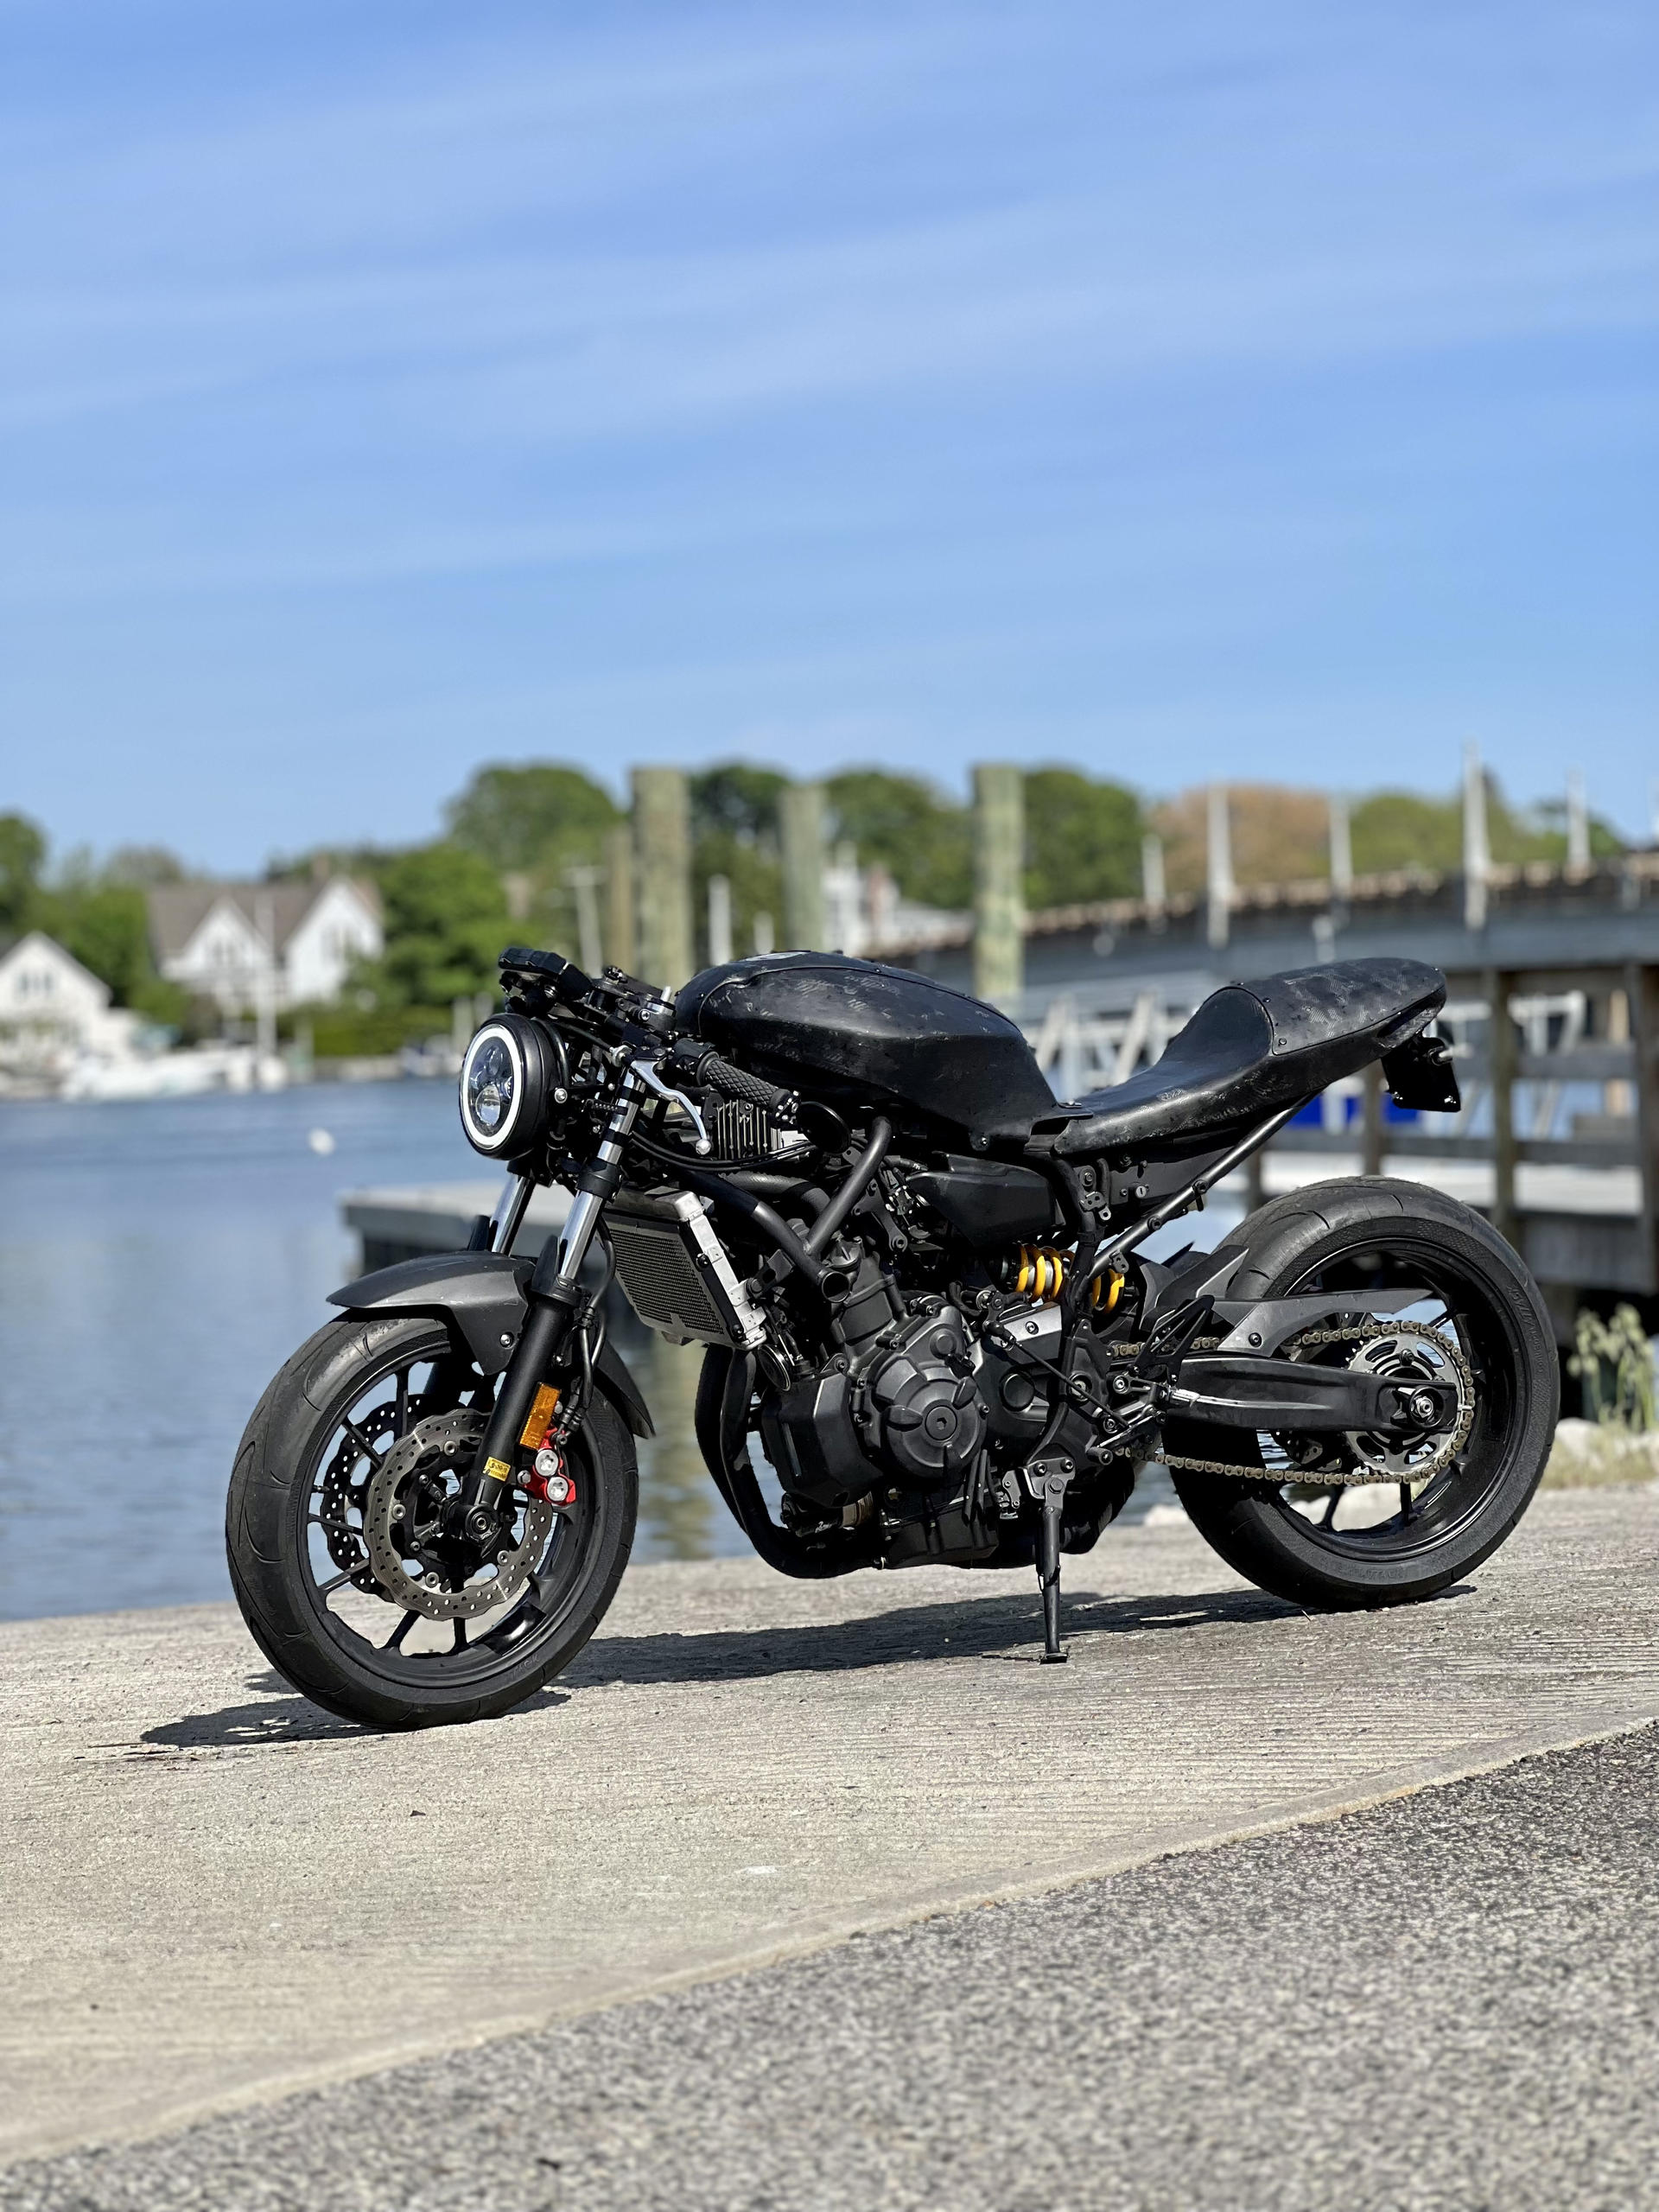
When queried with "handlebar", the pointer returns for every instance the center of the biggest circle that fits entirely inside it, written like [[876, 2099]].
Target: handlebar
[[621, 1006]]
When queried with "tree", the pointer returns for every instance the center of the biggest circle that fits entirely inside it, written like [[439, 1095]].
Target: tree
[[1282, 835], [23, 855], [1400, 830], [1082, 839], [1278, 835], [736, 801], [319, 862], [923, 839], [531, 819], [445, 922], [735, 834], [756, 882], [98, 919], [534, 823], [106, 927], [145, 866], [1550, 817]]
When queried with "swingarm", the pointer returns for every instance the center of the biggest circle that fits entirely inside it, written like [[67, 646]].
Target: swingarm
[[1283, 1394]]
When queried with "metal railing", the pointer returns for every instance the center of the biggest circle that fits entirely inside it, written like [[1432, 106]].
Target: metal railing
[[1567, 1081]]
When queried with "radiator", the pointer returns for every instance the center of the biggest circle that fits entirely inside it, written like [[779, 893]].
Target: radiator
[[676, 1274]]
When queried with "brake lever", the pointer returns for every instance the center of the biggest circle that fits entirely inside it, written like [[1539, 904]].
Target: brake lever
[[647, 1072]]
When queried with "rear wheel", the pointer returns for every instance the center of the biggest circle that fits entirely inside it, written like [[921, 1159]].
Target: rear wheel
[[340, 1552], [1408, 1518]]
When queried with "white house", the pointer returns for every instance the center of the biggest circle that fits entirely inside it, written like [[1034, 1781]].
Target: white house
[[51, 1007], [255, 945], [864, 913]]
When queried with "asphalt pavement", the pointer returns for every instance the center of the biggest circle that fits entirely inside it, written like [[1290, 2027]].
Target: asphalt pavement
[[1449, 2001]]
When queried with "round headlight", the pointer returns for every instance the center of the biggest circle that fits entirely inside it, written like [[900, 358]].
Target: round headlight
[[504, 1086]]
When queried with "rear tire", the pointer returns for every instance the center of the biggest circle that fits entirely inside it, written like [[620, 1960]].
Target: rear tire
[[273, 1550], [1353, 1231]]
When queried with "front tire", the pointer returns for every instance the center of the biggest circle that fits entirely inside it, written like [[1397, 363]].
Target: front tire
[[299, 1558], [1354, 1234]]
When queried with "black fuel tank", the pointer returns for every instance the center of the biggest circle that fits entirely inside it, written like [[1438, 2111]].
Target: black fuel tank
[[856, 1030]]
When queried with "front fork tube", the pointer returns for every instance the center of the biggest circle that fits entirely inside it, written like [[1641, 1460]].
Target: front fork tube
[[555, 1299]]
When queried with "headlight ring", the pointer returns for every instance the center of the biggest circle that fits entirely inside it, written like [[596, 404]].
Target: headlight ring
[[508, 1074]]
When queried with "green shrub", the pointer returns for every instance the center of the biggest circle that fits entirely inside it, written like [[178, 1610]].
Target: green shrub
[[1613, 1360], [346, 1032]]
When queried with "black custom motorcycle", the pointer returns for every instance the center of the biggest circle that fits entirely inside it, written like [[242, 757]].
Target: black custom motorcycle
[[916, 1276]]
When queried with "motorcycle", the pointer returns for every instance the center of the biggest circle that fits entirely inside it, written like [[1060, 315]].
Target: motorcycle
[[918, 1281]]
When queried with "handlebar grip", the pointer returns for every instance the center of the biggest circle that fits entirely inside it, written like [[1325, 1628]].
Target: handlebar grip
[[737, 1083]]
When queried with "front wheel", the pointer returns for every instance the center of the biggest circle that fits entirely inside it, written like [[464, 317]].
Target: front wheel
[[1405, 1520], [342, 1562]]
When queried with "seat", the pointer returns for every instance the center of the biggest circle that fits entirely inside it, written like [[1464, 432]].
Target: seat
[[1250, 1050]]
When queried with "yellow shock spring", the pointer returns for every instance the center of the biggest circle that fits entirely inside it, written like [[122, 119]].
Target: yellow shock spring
[[1042, 1275]]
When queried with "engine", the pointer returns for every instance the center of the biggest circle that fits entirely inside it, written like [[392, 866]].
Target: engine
[[908, 1392], [903, 1406], [921, 1426]]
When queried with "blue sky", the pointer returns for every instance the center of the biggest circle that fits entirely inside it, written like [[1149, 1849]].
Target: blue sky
[[1182, 391]]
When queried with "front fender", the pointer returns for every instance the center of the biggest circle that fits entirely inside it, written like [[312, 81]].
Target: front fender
[[482, 1295]]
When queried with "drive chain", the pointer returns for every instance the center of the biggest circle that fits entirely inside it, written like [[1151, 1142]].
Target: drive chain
[[1342, 1478]]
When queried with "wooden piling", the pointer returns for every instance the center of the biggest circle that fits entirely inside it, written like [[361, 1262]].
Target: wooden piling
[[1642, 999], [999, 882], [1477, 847], [1218, 851], [662, 848], [1371, 1161], [720, 921], [620, 950], [800, 816], [1256, 1189], [1501, 1056], [1154, 891], [584, 884]]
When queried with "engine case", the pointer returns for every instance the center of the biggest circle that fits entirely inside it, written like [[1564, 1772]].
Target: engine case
[[909, 1411], [813, 1446], [920, 1410]]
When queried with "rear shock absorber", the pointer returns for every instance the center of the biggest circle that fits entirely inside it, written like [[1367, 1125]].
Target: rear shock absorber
[[1038, 1271]]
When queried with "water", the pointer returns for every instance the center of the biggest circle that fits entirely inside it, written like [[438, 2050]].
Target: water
[[159, 1260]]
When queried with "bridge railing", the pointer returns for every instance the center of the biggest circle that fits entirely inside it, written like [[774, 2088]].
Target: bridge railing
[[1560, 1099]]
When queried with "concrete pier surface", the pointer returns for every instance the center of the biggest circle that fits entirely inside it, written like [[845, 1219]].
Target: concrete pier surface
[[216, 1894]]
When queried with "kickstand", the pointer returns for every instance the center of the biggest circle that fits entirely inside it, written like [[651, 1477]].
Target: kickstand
[[1052, 1479]]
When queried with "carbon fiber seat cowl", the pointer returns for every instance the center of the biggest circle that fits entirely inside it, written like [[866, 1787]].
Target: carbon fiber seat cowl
[[1250, 1050]]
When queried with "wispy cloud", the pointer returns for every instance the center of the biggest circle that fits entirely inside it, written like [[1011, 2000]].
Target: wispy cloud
[[485, 358]]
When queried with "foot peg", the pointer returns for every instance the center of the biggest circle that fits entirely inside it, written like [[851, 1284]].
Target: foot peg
[[1049, 1480]]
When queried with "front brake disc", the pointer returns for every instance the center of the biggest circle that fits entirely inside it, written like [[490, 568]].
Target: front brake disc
[[342, 1496], [417, 1562]]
